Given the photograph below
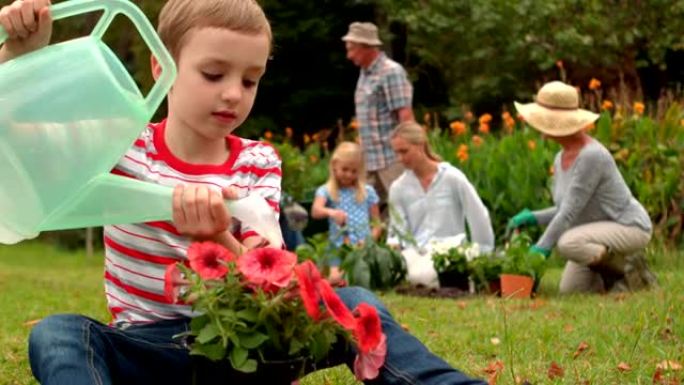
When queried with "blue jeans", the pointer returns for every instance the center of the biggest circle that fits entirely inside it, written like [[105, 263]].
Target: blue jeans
[[76, 350]]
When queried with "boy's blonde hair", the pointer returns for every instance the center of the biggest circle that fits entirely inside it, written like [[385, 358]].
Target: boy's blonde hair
[[178, 17], [414, 133], [347, 151]]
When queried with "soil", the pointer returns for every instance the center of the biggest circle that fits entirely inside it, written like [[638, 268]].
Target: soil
[[422, 291]]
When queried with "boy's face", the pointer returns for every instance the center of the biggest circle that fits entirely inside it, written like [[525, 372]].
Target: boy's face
[[218, 74]]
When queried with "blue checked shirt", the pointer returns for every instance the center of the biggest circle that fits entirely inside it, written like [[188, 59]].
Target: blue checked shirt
[[382, 89]]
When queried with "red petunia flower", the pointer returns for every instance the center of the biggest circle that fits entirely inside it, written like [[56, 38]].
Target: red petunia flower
[[368, 330], [309, 278], [172, 283], [335, 306], [367, 365], [209, 259], [268, 268]]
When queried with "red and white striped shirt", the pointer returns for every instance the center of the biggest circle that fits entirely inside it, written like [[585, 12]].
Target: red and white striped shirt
[[136, 255]]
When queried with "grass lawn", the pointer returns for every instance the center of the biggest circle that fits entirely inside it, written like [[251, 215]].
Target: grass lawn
[[595, 339]]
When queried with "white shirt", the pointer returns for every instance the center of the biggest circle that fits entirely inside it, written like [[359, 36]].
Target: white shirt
[[438, 212]]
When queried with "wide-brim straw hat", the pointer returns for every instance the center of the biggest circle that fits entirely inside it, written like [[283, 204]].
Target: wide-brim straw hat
[[556, 111], [363, 33]]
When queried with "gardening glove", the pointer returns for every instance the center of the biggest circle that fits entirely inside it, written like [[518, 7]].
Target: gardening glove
[[523, 218], [534, 249]]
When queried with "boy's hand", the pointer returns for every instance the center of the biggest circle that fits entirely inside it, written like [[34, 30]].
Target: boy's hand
[[29, 26], [199, 212]]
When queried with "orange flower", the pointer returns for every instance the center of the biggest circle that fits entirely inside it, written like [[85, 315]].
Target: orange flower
[[594, 84], [485, 119], [426, 118], [462, 153], [477, 140], [315, 137], [681, 122], [268, 135], [468, 116], [458, 127], [607, 105], [288, 132], [520, 118], [307, 139], [559, 64], [551, 170], [484, 128], [509, 122], [639, 108], [590, 127], [354, 124], [531, 144], [313, 159]]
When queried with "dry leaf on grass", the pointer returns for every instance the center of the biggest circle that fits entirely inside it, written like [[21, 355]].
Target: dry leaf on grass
[[624, 367], [555, 371], [669, 365], [568, 328], [495, 340], [582, 347], [462, 304], [660, 379], [493, 370], [32, 322]]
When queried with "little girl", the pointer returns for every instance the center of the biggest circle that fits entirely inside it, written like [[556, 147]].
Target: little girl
[[347, 201]]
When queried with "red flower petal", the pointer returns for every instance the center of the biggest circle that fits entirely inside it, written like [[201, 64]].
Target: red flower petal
[[209, 259], [368, 330], [268, 267], [335, 306], [367, 365], [309, 277], [172, 278]]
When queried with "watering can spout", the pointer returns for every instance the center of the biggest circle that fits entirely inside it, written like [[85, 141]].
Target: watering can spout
[[114, 199]]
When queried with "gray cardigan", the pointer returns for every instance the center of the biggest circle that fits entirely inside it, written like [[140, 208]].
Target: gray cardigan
[[591, 190]]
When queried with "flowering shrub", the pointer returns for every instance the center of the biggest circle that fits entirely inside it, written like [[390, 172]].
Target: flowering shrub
[[453, 254], [518, 260], [262, 306]]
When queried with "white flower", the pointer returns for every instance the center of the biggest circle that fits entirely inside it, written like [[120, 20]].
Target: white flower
[[472, 252]]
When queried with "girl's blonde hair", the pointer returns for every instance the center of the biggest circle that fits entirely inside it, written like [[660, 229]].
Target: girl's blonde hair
[[347, 151], [414, 133], [178, 17]]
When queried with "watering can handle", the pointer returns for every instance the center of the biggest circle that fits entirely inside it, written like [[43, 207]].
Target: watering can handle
[[112, 8]]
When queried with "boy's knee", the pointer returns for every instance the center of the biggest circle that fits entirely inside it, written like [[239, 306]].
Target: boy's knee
[[59, 326]]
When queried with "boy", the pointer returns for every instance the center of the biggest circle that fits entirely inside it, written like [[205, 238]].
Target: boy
[[221, 48]]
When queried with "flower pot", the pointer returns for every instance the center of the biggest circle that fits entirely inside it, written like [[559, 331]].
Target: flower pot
[[283, 372], [453, 279], [516, 286]]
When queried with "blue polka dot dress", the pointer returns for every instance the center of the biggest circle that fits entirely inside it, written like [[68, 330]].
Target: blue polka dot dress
[[357, 228]]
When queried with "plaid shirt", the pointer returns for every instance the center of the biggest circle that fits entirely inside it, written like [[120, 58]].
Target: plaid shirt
[[382, 89]]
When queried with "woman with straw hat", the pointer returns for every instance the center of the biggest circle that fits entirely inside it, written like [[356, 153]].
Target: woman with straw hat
[[595, 223]]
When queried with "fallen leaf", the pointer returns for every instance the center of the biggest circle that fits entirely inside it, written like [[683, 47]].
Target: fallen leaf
[[32, 322], [405, 327], [495, 340], [582, 347], [555, 371], [669, 365], [568, 328], [624, 367], [462, 304], [536, 304], [620, 297], [493, 370]]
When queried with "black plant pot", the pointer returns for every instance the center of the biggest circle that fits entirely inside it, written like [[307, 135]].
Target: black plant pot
[[207, 372], [454, 279]]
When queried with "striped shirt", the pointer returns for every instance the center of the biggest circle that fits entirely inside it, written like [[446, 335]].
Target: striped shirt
[[381, 90], [136, 255]]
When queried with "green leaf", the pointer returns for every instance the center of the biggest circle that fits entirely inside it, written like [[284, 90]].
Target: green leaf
[[250, 315], [253, 340], [198, 323], [208, 333], [213, 352], [249, 366], [238, 357]]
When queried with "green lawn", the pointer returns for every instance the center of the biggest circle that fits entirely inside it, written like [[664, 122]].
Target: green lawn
[[638, 331]]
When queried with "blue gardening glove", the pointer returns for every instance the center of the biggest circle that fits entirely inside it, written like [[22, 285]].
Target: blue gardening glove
[[539, 250], [523, 218]]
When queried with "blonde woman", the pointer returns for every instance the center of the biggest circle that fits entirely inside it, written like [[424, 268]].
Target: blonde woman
[[432, 199], [595, 223]]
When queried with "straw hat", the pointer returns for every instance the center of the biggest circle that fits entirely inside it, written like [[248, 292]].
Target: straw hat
[[363, 33], [556, 110]]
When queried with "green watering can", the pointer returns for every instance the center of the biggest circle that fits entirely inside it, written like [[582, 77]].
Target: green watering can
[[68, 112]]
